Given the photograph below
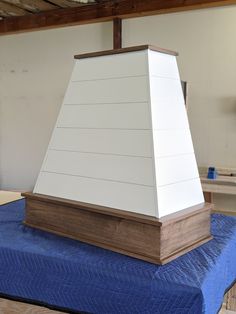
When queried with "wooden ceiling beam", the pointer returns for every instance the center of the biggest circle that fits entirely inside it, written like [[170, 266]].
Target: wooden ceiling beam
[[33, 6], [102, 11], [7, 10], [66, 3]]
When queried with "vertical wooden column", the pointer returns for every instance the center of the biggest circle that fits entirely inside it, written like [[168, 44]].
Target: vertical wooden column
[[231, 299], [117, 33]]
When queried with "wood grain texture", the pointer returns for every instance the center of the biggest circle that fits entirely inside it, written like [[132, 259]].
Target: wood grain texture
[[208, 196], [7, 9], [103, 11], [14, 307], [32, 5], [124, 50], [144, 237], [231, 299], [117, 33]]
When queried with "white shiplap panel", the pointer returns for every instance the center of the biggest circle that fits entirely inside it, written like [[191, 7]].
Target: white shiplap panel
[[172, 142], [167, 104], [123, 116], [121, 90], [166, 90], [135, 198], [125, 64], [162, 65], [169, 115], [175, 197], [171, 170], [110, 167], [105, 141]]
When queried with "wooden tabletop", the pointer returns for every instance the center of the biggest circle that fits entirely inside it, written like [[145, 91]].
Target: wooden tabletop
[[222, 184]]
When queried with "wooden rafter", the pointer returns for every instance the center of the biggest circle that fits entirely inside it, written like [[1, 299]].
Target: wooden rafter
[[102, 10], [31, 5], [65, 3], [7, 9]]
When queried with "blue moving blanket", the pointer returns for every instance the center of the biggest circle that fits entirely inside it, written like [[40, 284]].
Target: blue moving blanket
[[44, 268]]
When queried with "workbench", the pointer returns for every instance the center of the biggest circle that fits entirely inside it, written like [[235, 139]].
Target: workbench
[[220, 185], [43, 268]]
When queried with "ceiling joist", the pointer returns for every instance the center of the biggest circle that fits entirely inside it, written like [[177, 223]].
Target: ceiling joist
[[7, 9], [101, 10], [31, 5]]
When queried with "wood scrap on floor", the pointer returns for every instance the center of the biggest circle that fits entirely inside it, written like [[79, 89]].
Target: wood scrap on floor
[[14, 307], [9, 196]]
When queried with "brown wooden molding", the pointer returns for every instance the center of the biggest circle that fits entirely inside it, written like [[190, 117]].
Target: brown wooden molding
[[123, 50], [144, 237], [102, 11]]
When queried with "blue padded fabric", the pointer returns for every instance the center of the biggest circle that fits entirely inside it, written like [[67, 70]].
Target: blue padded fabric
[[64, 273]]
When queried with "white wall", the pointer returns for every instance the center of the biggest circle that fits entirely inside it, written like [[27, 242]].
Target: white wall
[[34, 72], [35, 68]]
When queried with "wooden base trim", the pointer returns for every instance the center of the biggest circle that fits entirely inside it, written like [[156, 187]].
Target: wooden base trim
[[155, 260], [148, 238]]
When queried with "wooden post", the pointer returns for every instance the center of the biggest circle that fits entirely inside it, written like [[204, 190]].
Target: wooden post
[[208, 197], [231, 299], [117, 33]]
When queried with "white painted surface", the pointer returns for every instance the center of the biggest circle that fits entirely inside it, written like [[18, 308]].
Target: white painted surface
[[106, 116], [172, 142], [174, 197], [120, 90], [113, 144], [167, 104], [100, 166], [113, 66], [175, 169], [111, 141], [124, 196], [166, 90], [173, 115], [162, 65]]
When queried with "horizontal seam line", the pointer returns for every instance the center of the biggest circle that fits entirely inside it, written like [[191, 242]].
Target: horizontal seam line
[[95, 178], [173, 183], [176, 155], [110, 78], [108, 103], [86, 128], [166, 77], [96, 153]]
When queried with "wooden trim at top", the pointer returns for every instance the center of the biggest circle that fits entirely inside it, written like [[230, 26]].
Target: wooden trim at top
[[190, 211], [102, 11], [123, 50]]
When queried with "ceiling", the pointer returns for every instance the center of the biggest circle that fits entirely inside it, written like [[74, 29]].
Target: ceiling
[[10, 8], [27, 15]]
